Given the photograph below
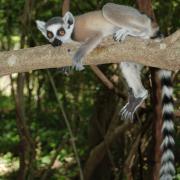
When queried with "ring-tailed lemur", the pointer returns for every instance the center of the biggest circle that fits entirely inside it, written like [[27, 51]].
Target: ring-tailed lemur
[[119, 21]]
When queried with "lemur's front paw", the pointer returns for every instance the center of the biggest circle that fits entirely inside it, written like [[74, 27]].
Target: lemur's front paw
[[127, 112], [120, 35], [77, 61]]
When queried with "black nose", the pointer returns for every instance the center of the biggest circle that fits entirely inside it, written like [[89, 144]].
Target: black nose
[[56, 42]]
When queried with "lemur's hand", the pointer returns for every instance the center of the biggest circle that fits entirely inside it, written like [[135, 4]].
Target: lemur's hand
[[127, 112], [120, 35], [77, 61]]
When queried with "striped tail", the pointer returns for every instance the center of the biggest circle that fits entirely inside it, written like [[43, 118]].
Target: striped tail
[[167, 170]]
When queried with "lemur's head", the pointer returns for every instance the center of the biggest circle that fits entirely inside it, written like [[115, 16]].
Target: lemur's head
[[57, 30]]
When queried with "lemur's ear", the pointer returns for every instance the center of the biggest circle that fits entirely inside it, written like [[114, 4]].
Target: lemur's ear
[[41, 26], [68, 18]]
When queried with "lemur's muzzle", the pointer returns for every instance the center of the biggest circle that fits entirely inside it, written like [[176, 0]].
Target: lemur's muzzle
[[56, 42]]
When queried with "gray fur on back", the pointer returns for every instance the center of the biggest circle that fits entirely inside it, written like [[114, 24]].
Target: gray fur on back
[[54, 20]]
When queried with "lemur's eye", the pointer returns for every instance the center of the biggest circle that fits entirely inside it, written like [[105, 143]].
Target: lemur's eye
[[61, 32], [49, 34]]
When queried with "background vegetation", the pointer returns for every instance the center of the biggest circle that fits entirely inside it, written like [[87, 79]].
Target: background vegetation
[[35, 107]]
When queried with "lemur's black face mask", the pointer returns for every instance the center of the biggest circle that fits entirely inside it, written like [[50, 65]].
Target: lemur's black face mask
[[56, 43]]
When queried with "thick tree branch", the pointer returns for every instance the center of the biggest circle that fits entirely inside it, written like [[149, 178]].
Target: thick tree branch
[[163, 55]]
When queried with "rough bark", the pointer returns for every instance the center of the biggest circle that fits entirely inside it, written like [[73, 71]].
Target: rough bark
[[164, 54], [157, 121]]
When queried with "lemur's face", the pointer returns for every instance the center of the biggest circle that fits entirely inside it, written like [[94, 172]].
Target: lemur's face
[[57, 30]]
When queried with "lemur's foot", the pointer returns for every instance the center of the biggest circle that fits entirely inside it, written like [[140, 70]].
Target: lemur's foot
[[120, 35], [77, 61], [127, 112]]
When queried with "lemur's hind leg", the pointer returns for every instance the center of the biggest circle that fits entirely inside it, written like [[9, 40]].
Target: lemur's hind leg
[[137, 93], [121, 34]]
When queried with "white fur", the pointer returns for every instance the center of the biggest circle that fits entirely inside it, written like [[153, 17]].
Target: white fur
[[167, 140], [131, 72], [167, 155], [168, 108], [68, 16], [41, 26], [167, 167], [168, 91], [53, 28], [164, 73], [168, 125], [166, 177]]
